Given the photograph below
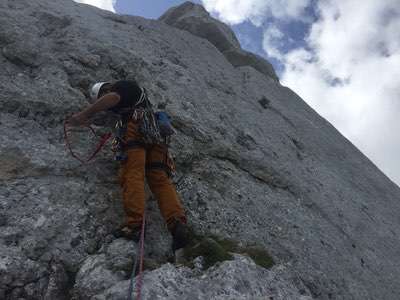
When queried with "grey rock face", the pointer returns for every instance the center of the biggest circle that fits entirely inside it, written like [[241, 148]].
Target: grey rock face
[[240, 58], [196, 20], [256, 163], [237, 279]]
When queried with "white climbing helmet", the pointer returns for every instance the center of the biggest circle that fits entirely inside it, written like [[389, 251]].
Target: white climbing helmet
[[95, 89]]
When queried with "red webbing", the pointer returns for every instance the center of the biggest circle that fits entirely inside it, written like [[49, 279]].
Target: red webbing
[[103, 140]]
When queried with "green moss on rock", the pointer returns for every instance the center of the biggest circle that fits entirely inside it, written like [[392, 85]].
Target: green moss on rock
[[260, 256], [229, 245], [210, 250], [216, 249]]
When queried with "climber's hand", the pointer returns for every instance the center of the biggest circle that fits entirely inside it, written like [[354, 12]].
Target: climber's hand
[[78, 119]]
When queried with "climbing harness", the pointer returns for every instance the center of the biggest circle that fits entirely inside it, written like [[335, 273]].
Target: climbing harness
[[103, 140], [141, 113], [154, 128], [138, 262]]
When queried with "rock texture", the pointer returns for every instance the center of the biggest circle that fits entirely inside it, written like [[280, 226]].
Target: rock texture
[[237, 279], [258, 165], [196, 20]]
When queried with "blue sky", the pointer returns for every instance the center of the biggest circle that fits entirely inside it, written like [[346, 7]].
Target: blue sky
[[249, 35], [341, 56], [155, 8]]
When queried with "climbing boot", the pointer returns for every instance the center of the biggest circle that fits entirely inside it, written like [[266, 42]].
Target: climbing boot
[[180, 235], [132, 232]]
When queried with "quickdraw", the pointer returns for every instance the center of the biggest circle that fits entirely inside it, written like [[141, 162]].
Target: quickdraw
[[103, 140]]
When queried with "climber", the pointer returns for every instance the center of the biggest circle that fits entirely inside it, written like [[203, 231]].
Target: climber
[[143, 153]]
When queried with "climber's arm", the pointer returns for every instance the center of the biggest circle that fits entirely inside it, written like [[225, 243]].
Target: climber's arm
[[106, 102]]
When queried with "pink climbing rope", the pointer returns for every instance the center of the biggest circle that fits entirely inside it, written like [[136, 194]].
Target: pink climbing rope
[[139, 259], [139, 281]]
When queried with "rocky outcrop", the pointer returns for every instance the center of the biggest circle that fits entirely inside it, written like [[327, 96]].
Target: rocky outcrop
[[237, 279], [196, 20], [256, 164]]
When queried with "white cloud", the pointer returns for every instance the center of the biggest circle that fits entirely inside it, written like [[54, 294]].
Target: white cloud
[[349, 70], [272, 41], [103, 4], [351, 75], [237, 11]]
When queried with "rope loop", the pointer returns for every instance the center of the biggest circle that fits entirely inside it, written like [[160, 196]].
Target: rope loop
[[103, 140]]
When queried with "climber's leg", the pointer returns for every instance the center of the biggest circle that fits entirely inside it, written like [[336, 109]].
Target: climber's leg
[[132, 175], [162, 186]]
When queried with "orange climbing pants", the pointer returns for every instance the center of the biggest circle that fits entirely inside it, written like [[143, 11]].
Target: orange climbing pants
[[133, 172]]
